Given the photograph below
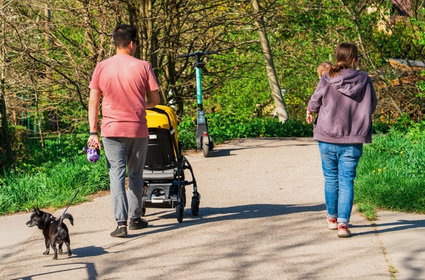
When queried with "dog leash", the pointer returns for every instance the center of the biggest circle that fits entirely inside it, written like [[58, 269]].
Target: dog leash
[[75, 195]]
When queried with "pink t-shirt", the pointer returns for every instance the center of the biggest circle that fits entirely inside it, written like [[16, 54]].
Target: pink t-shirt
[[124, 81]]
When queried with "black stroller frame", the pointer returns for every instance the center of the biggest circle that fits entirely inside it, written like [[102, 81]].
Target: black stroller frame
[[163, 174]]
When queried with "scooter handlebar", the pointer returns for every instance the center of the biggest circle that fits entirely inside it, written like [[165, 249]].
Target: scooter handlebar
[[197, 54]]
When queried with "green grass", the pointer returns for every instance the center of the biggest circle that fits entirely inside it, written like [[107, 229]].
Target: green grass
[[53, 187], [49, 174], [391, 173]]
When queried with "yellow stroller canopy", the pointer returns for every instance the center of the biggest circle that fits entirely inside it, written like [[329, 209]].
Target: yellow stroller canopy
[[163, 117]]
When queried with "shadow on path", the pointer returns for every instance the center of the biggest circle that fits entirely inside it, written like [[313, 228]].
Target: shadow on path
[[90, 267], [90, 251], [217, 214], [393, 226], [277, 142]]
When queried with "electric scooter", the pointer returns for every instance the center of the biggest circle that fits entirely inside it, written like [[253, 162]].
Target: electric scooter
[[203, 140]]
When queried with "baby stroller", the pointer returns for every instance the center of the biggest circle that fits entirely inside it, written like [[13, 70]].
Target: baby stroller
[[163, 174]]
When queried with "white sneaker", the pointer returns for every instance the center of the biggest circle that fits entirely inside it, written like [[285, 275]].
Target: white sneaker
[[332, 223], [343, 230]]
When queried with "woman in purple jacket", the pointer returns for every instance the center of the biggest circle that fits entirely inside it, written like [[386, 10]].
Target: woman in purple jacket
[[344, 100]]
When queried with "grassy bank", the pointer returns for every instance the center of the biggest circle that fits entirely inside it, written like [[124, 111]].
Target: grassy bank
[[48, 173], [391, 173], [53, 187]]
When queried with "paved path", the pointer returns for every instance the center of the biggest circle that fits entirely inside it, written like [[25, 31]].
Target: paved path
[[262, 217]]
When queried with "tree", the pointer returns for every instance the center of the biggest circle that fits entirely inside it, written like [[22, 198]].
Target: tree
[[270, 68], [6, 156]]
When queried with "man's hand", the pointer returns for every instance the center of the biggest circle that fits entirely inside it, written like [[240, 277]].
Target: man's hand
[[94, 142], [94, 101]]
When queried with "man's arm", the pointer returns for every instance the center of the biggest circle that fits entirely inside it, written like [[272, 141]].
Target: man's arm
[[152, 98], [93, 117]]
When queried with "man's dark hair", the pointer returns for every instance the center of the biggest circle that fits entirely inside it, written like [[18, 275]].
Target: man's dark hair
[[123, 34]]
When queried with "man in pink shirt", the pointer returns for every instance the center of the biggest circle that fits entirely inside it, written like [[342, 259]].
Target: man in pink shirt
[[127, 86]]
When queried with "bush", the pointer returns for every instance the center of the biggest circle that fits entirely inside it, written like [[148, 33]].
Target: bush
[[18, 140], [42, 155], [187, 133]]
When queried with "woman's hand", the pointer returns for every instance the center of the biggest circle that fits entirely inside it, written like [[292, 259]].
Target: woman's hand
[[309, 116]]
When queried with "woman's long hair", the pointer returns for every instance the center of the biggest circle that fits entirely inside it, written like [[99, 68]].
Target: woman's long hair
[[345, 54]]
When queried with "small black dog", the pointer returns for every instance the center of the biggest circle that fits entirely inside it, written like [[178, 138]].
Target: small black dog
[[54, 230]]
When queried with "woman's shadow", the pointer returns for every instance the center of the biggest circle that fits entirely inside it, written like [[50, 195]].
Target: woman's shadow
[[390, 227]]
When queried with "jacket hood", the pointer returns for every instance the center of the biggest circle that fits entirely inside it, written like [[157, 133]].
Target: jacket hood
[[349, 82]]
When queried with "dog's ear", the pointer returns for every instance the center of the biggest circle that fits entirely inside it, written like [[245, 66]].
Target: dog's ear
[[36, 210]]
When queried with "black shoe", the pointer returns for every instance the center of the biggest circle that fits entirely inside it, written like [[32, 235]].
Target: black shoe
[[138, 223], [119, 232]]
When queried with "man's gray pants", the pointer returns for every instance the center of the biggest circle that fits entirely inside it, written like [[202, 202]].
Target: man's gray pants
[[121, 153]]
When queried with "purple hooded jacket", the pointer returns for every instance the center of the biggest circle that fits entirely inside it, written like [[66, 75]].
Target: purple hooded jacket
[[345, 104]]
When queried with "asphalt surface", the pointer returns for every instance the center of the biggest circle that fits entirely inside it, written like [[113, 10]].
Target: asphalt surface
[[262, 216]]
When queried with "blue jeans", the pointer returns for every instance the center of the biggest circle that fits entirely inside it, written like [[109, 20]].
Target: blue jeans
[[339, 163]]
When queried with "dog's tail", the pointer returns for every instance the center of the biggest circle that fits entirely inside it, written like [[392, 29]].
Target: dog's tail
[[66, 216]]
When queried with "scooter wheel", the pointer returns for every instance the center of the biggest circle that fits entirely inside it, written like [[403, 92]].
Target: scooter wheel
[[205, 146]]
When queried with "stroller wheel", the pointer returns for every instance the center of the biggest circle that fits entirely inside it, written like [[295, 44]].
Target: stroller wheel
[[195, 205], [179, 212]]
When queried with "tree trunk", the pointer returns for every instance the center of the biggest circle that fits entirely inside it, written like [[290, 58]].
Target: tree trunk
[[5, 150], [271, 70], [5, 147]]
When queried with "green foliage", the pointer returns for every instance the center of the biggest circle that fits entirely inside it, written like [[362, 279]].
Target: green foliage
[[380, 127], [421, 86], [241, 96], [39, 155], [52, 85], [231, 127], [402, 42], [187, 131], [390, 173], [18, 140]]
